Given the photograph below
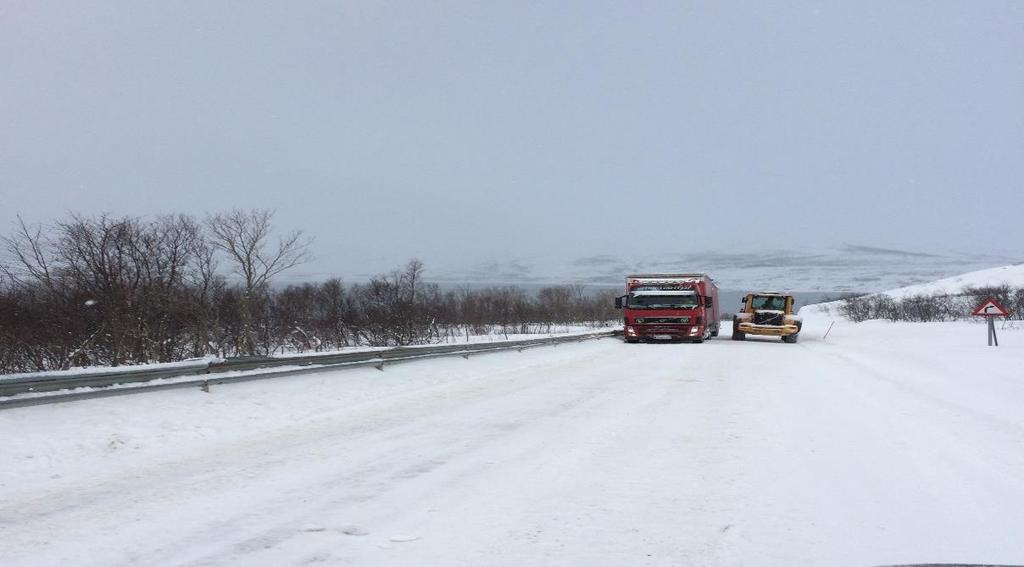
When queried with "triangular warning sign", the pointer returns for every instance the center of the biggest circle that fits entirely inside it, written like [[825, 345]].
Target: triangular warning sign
[[991, 308]]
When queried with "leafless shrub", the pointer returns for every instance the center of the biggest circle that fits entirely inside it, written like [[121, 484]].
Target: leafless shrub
[[109, 290], [859, 308]]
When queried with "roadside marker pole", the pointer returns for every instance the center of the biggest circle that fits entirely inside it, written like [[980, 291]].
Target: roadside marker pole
[[993, 340], [829, 330]]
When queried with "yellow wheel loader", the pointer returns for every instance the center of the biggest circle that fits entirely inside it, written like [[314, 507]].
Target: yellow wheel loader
[[767, 314]]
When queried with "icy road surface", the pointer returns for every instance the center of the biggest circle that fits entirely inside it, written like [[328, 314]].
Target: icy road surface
[[885, 444]]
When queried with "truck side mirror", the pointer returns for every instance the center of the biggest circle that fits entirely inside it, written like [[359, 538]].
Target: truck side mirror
[[709, 302], [618, 302]]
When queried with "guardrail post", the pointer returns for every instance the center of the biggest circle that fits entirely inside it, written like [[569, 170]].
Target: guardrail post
[[205, 386], [379, 366]]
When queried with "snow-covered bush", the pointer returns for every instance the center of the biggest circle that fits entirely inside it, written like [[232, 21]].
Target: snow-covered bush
[[923, 308]]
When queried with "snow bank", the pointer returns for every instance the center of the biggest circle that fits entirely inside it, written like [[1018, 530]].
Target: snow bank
[[1012, 275], [196, 363], [181, 364]]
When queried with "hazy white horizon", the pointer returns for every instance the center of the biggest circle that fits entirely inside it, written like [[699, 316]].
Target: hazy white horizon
[[466, 134]]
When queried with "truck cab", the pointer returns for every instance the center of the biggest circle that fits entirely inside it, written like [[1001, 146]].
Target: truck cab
[[769, 314], [669, 307]]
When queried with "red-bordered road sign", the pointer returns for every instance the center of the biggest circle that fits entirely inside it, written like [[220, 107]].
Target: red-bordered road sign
[[991, 308]]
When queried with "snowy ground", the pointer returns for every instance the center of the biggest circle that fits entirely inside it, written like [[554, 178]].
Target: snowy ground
[[887, 443]]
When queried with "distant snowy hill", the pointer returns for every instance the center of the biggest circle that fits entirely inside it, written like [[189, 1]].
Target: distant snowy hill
[[849, 268], [1011, 275]]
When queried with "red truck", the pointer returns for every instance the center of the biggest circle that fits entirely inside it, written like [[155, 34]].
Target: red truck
[[669, 307]]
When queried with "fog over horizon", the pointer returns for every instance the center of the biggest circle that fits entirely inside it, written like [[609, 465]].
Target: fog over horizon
[[483, 136]]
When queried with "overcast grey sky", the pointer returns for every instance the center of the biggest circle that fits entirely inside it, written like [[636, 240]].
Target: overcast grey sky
[[459, 131]]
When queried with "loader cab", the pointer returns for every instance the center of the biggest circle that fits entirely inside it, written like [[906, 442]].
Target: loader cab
[[768, 302]]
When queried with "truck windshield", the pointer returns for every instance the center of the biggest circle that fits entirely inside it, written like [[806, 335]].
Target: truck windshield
[[662, 301], [773, 303]]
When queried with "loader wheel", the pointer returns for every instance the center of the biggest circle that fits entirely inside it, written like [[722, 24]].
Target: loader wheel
[[632, 341], [795, 336], [737, 335]]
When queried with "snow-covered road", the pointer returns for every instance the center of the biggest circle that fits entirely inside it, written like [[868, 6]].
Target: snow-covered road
[[885, 444]]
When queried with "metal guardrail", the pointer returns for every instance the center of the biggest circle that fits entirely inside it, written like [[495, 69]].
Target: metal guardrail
[[212, 373], [64, 381]]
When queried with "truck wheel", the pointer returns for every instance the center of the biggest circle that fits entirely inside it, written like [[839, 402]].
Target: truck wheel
[[714, 332]]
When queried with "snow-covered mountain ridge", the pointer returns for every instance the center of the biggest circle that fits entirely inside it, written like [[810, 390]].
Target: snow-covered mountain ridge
[[848, 268]]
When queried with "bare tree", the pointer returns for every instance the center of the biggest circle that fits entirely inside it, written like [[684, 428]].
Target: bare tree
[[411, 278], [245, 238], [29, 249]]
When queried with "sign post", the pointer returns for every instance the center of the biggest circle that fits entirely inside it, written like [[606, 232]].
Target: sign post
[[990, 309]]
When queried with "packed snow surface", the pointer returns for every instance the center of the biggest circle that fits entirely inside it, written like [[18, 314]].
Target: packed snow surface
[[886, 443]]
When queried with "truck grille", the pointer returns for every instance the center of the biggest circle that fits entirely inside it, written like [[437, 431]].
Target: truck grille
[[663, 320], [762, 318]]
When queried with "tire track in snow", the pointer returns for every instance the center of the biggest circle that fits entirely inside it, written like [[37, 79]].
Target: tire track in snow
[[381, 428]]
